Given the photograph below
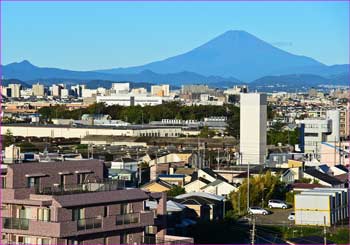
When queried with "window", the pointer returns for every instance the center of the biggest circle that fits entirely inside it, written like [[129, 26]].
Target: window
[[73, 241], [78, 213], [105, 211], [33, 182], [62, 180], [82, 178], [42, 241], [3, 182], [124, 238], [126, 208], [44, 214]]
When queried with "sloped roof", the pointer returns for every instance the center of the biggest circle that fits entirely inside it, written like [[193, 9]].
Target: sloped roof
[[201, 194], [321, 176]]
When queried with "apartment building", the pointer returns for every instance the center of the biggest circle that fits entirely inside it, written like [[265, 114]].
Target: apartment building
[[70, 202], [313, 132], [38, 90], [160, 90]]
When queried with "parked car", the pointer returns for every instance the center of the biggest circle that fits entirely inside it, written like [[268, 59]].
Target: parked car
[[277, 204], [258, 210], [291, 216]]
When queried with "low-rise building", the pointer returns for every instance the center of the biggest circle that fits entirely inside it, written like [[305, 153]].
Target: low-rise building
[[321, 206]]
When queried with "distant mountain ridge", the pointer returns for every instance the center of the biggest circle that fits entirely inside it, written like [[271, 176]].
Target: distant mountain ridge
[[231, 58]]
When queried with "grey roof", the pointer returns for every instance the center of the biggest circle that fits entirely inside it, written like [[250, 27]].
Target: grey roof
[[321, 176], [94, 198]]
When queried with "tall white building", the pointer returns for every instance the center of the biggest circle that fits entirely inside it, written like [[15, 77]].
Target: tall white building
[[120, 87], [15, 90], [38, 89], [253, 116], [334, 115], [56, 90]]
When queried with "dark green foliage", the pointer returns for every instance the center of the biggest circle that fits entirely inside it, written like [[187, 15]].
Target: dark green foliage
[[138, 114], [175, 191]]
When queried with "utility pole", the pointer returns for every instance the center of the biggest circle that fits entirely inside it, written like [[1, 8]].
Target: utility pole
[[335, 151], [248, 184], [253, 231], [324, 231], [218, 159]]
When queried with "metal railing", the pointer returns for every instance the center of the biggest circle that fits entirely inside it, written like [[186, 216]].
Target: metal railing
[[90, 223], [15, 223], [126, 219], [106, 185], [155, 240]]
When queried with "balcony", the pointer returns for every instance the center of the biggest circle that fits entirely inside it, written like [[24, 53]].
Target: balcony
[[126, 219], [91, 223], [167, 240], [15, 223], [105, 185]]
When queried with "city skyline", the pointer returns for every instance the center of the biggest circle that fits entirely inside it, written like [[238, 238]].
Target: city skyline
[[107, 35]]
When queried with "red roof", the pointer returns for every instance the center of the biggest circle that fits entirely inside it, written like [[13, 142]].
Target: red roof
[[306, 186]]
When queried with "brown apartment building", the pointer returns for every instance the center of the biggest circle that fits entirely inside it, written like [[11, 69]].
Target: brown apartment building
[[71, 202]]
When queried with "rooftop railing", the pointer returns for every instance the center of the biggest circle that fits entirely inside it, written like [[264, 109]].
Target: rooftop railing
[[106, 185]]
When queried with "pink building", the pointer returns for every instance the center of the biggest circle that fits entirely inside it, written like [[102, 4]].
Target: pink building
[[71, 202], [334, 154]]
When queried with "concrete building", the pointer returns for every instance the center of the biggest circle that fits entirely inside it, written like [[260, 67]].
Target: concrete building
[[313, 132], [120, 87], [335, 153], [64, 93], [138, 91], [79, 131], [253, 116], [78, 90], [125, 163], [72, 203], [334, 116], [130, 100], [56, 90], [160, 90], [15, 90], [38, 90], [40, 210], [321, 206]]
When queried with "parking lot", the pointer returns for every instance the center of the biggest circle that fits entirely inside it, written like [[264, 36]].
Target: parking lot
[[277, 216]]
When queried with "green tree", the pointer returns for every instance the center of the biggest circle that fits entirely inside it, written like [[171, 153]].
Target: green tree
[[8, 138], [175, 191], [264, 186], [206, 133]]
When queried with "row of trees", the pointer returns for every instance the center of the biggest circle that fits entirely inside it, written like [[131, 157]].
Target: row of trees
[[138, 114]]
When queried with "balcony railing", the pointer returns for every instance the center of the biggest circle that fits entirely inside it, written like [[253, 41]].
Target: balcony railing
[[91, 223], [106, 185], [155, 240], [126, 219], [15, 223]]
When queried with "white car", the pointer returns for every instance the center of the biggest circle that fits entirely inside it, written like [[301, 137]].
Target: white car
[[291, 216], [277, 204], [257, 210]]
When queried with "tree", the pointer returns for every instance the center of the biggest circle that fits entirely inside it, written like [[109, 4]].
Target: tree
[[175, 191], [8, 138], [206, 132], [264, 186]]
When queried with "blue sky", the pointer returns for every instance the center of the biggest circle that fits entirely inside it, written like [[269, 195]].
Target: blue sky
[[97, 35]]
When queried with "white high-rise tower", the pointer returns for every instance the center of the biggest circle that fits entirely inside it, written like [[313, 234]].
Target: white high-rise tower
[[253, 117]]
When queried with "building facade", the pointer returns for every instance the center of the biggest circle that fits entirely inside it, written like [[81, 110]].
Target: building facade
[[253, 117]]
